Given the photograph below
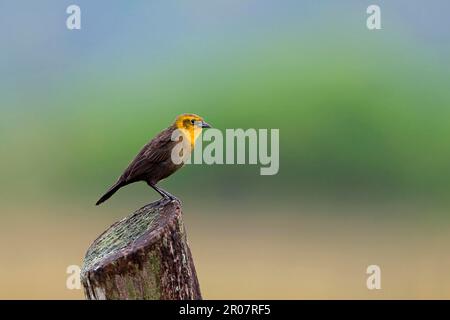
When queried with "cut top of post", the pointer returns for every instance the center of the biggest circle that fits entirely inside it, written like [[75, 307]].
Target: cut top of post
[[128, 235]]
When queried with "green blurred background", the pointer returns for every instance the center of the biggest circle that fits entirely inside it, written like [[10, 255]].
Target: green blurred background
[[364, 140]]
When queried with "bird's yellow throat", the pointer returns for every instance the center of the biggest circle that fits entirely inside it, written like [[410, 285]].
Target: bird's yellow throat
[[186, 124], [191, 134]]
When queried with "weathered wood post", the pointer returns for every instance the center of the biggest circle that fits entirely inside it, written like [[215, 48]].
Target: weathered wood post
[[143, 256]]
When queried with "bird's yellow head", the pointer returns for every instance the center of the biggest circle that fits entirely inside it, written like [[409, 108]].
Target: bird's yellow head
[[191, 125]]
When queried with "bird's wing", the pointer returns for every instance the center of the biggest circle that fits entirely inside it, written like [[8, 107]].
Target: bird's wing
[[158, 150]]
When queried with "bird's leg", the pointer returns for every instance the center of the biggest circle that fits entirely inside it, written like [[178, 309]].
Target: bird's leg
[[169, 195], [163, 192], [159, 191]]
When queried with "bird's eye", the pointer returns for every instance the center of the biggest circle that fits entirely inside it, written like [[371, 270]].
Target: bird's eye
[[193, 121]]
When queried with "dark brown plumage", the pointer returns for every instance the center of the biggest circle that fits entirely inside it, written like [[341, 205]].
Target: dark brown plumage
[[154, 163]]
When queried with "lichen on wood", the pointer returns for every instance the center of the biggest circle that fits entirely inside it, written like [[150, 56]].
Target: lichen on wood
[[143, 256]]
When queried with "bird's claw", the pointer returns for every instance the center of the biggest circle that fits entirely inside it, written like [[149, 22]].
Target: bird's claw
[[168, 199]]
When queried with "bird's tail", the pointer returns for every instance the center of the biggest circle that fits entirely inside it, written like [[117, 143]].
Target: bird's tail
[[110, 192]]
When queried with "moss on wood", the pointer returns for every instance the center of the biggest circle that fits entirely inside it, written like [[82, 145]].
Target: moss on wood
[[143, 256]]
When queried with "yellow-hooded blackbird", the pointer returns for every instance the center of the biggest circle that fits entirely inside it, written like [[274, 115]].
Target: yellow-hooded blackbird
[[154, 162]]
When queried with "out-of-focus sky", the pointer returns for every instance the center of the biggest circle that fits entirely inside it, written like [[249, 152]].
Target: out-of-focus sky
[[364, 140]]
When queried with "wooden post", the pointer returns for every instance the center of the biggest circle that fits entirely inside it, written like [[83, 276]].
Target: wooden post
[[143, 256]]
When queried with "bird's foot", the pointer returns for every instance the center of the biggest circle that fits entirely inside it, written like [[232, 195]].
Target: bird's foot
[[166, 200], [163, 201], [171, 197], [166, 196]]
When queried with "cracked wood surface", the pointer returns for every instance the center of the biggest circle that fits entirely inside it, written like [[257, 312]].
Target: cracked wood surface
[[143, 256]]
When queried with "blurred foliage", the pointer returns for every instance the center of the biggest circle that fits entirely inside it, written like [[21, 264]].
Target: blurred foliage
[[348, 118]]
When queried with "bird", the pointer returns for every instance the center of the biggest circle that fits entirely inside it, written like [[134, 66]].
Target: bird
[[154, 162]]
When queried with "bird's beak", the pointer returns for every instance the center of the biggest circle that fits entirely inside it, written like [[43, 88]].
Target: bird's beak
[[205, 125]]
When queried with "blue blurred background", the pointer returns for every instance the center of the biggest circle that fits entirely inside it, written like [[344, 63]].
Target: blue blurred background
[[364, 119]]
